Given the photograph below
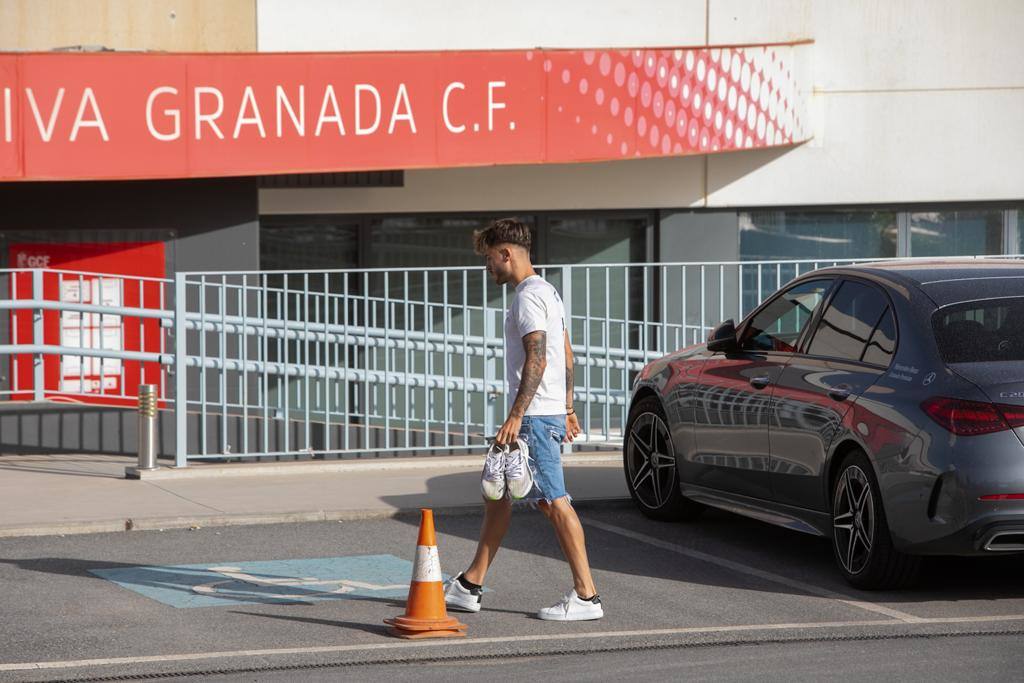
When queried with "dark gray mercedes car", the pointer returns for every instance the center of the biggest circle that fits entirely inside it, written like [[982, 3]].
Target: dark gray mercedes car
[[880, 405]]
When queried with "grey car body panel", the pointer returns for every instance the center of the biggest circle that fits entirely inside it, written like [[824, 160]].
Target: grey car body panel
[[930, 479]]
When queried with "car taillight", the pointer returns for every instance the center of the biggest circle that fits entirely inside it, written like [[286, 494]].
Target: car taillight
[[972, 418]]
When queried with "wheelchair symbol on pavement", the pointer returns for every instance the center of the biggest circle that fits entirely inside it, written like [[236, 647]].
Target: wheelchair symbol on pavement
[[284, 588]]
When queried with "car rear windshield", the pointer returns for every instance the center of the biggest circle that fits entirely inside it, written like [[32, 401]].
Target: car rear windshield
[[981, 331]]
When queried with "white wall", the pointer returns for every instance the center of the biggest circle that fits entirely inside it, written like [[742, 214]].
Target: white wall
[[915, 100]]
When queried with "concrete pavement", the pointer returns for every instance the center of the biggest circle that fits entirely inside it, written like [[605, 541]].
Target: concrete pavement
[[71, 494]]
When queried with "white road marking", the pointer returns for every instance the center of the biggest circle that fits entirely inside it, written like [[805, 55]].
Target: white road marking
[[751, 571], [408, 644]]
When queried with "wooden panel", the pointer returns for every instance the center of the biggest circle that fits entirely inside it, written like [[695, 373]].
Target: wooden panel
[[171, 25]]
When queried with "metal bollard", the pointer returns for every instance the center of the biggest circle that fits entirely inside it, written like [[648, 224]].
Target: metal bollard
[[147, 426]]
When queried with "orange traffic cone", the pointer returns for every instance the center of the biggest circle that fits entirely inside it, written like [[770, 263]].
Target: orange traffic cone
[[425, 614]]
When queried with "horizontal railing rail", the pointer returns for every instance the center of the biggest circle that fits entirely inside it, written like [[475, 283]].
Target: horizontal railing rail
[[339, 363]]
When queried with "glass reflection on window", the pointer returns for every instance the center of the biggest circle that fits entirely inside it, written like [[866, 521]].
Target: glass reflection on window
[[956, 233]]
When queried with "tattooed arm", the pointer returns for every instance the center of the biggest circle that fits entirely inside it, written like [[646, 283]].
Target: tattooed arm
[[535, 345]]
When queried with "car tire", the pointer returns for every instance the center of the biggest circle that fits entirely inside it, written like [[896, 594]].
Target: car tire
[[861, 541], [649, 463]]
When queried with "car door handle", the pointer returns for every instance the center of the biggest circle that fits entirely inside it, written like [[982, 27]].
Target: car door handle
[[760, 382], [838, 394]]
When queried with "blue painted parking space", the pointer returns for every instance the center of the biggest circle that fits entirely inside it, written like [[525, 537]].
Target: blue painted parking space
[[266, 582]]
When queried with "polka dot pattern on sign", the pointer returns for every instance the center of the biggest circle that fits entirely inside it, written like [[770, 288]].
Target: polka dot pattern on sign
[[678, 101]]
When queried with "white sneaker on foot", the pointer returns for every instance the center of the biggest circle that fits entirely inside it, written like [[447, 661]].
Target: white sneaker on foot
[[518, 475], [457, 597], [571, 608], [492, 480]]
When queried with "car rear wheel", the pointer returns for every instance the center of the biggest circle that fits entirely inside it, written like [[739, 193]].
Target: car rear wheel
[[860, 533], [649, 461]]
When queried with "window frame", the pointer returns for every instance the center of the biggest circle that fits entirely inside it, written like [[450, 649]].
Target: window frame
[[805, 348], [801, 338]]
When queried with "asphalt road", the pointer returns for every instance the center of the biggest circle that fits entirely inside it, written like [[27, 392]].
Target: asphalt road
[[675, 595]]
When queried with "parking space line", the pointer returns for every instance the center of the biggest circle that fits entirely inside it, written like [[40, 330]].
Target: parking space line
[[751, 571], [411, 644]]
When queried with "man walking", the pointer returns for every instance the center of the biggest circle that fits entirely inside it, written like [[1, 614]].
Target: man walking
[[539, 369]]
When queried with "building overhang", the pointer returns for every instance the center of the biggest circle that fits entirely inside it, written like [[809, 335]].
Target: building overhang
[[137, 116]]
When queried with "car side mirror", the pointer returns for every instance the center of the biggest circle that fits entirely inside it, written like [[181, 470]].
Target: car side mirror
[[723, 338]]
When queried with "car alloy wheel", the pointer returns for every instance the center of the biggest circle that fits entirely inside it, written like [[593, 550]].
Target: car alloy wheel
[[853, 520], [651, 461]]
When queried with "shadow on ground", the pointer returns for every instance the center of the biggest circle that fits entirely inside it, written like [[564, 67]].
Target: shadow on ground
[[740, 539]]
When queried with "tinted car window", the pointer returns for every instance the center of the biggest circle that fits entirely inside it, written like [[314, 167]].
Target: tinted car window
[[778, 325], [882, 346], [848, 322], [981, 331]]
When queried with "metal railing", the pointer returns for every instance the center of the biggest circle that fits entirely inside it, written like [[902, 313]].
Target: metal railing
[[296, 364]]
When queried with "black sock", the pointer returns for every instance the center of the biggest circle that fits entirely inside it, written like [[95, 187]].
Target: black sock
[[468, 585], [595, 598]]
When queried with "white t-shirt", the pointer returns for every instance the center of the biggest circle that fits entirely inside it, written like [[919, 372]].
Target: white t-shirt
[[537, 307]]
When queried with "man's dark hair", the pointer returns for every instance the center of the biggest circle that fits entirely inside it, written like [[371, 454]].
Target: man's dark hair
[[501, 231]]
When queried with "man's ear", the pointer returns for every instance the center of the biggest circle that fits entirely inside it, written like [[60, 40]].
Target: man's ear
[[506, 254]]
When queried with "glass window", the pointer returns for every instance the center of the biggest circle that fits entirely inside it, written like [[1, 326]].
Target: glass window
[[981, 331], [778, 325], [825, 235], [956, 233], [882, 346], [848, 322], [1020, 231], [308, 242], [425, 241]]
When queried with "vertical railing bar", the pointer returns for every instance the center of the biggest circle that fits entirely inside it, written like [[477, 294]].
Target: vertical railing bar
[[447, 361], [180, 374], [487, 365], [244, 352], [327, 362], [586, 369], [682, 270], [265, 348], [625, 350], [504, 366], [646, 299], [606, 416], [222, 310], [345, 386], [465, 358], [285, 371], [307, 440], [703, 305], [406, 389], [202, 366], [366, 360], [427, 364], [387, 359], [721, 293]]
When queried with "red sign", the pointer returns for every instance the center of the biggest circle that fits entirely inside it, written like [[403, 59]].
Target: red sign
[[95, 116], [85, 378]]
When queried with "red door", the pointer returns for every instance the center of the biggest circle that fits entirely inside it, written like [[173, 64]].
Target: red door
[[84, 378]]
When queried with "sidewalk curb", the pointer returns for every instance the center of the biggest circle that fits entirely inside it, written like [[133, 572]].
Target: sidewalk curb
[[337, 466], [199, 522]]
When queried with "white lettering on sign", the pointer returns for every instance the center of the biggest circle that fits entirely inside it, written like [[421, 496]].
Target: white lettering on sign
[[47, 132], [7, 115], [444, 107], [165, 109], [402, 96], [329, 97], [95, 122], [24, 260], [249, 100], [300, 122], [208, 118], [360, 128], [491, 104], [173, 114]]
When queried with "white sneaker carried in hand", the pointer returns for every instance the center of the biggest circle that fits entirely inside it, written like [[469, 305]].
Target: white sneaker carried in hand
[[458, 597], [571, 608], [492, 480], [518, 475]]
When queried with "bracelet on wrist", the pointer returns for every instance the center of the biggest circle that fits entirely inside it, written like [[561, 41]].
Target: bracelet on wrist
[[570, 411]]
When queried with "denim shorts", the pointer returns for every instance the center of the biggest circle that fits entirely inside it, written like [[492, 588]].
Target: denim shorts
[[543, 435]]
